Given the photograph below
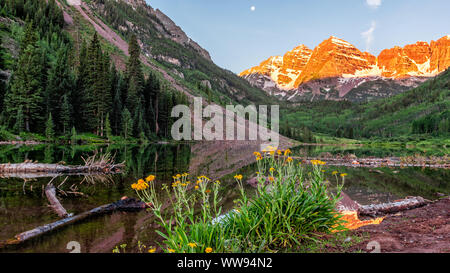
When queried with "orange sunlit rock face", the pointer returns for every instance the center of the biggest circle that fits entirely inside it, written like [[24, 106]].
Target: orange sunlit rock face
[[352, 221], [337, 58], [334, 57], [440, 54], [284, 70]]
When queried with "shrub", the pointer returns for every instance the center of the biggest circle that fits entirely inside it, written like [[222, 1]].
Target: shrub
[[289, 206]]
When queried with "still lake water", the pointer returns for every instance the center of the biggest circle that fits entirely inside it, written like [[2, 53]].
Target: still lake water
[[23, 204]]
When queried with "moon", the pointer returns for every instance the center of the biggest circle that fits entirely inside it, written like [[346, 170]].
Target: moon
[[252, 8]]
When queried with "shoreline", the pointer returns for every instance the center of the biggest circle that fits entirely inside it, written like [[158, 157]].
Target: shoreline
[[420, 230]]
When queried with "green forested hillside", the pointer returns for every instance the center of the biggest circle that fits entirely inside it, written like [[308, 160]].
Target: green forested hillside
[[53, 86], [60, 79], [225, 86], [424, 110]]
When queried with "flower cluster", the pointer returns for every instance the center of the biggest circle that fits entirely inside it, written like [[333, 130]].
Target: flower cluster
[[140, 185], [180, 180], [318, 162], [258, 156], [143, 184]]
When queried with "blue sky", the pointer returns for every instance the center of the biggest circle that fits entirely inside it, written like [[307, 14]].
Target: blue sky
[[239, 36]]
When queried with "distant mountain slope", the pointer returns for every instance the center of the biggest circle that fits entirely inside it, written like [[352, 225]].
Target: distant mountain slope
[[422, 110], [336, 67], [167, 48]]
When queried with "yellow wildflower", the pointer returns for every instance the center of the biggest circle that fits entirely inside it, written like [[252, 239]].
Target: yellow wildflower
[[238, 176], [289, 159], [192, 245], [334, 173], [272, 170], [317, 162], [257, 154], [271, 178], [287, 152], [208, 250], [152, 250], [150, 178], [171, 250], [343, 174]]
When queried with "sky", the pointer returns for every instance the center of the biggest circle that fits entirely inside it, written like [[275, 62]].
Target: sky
[[240, 34]]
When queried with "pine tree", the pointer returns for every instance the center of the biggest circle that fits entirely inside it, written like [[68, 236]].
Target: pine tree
[[152, 95], [116, 116], [134, 75], [97, 91], [49, 128], [127, 123], [108, 129], [19, 126], [73, 135], [26, 86], [94, 64], [59, 86], [65, 115]]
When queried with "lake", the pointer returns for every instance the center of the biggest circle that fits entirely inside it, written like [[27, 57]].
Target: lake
[[24, 206]]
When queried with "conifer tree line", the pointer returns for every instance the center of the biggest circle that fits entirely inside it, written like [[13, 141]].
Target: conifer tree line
[[78, 88]]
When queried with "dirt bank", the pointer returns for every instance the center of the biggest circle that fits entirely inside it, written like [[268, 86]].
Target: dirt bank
[[425, 229]]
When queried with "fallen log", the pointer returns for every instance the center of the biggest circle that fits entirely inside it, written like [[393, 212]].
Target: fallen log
[[125, 204], [441, 163], [59, 169], [50, 192], [393, 207]]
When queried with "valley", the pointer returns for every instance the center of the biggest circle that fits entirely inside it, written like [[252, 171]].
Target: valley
[[98, 79]]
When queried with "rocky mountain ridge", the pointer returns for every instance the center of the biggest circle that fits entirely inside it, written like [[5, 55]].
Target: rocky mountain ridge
[[337, 66]]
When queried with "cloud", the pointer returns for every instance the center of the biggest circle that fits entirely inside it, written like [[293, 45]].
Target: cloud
[[374, 3], [368, 35]]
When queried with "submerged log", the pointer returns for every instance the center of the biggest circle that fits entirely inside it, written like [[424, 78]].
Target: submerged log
[[59, 169], [50, 192], [126, 204], [386, 208]]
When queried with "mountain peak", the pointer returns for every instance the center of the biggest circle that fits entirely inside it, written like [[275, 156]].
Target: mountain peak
[[335, 57], [338, 42], [283, 69]]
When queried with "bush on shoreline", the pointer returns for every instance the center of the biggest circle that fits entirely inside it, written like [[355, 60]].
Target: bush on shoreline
[[290, 206]]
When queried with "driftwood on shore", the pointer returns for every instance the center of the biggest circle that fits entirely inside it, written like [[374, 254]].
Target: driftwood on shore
[[59, 169], [393, 207], [126, 204], [372, 162]]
